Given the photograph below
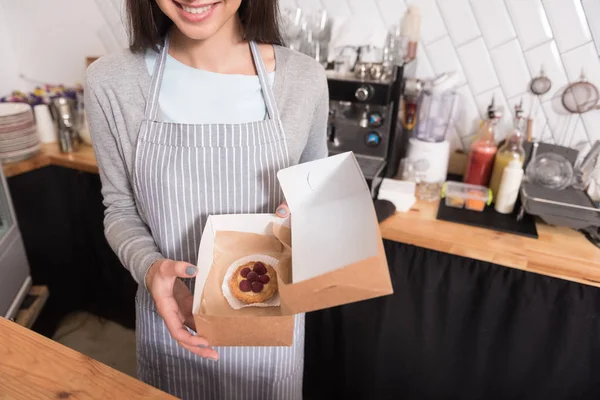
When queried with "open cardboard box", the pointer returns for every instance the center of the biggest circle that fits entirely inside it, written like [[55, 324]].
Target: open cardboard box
[[337, 255]]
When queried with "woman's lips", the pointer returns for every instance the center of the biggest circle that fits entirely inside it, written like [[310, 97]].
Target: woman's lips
[[196, 13]]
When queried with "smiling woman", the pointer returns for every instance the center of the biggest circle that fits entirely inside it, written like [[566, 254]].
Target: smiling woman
[[147, 29], [196, 119]]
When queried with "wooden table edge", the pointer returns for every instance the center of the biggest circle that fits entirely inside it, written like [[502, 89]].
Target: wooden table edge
[[84, 375]]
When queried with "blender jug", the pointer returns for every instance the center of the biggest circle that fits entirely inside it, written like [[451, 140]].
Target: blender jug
[[428, 149], [435, 116]]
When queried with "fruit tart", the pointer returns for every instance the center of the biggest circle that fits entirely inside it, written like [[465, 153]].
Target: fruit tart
[[253, 282]]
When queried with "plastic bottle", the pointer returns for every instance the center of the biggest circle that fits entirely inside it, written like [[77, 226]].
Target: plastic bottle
[[482, 152], [512, 149], [509, 187], [411, 29]]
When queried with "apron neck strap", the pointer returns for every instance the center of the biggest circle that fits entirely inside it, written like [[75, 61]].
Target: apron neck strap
[[264, 82], [157, 75], [152, 106]]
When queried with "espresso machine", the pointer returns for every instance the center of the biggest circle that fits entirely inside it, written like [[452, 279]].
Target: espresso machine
[[364, 117]]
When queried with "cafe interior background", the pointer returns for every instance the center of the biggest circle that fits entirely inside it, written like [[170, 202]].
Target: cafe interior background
[[460, 324]]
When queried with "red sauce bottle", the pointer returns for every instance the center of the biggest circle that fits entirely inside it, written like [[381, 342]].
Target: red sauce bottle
[[482, 152]]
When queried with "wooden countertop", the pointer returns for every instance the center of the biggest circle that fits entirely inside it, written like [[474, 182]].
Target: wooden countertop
[[35, 367], [50, 154], [558, 252]]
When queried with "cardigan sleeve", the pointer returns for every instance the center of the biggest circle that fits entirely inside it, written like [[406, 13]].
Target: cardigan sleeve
[[128, 235]]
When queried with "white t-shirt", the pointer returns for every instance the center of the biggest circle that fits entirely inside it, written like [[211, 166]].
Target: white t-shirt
[[193, 96]]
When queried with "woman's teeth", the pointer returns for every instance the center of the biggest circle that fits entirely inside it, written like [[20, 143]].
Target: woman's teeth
[[197, 10]]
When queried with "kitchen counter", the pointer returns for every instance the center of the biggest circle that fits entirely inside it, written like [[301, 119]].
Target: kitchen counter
[[558, 252], [34, 367], [50, 154]]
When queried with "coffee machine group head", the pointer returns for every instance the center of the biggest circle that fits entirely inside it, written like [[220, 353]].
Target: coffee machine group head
[[363, 117]]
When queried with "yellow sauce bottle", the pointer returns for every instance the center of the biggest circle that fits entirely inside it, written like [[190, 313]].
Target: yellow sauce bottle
[[512, 149]]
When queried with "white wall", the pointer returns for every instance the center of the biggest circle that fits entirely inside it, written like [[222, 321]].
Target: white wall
[[496, 46], [9, 71], [50, 40]]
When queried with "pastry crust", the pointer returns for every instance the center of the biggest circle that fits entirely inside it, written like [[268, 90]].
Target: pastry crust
[[268, 291]]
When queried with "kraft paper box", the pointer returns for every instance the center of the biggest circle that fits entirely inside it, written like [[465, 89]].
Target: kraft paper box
[[332, 254]]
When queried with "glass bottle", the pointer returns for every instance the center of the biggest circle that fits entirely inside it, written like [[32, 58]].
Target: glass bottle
[[512, 149], [482, 152]]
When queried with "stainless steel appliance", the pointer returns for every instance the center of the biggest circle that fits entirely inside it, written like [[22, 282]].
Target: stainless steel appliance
[[65, 114], [15, 279], [363, 117]]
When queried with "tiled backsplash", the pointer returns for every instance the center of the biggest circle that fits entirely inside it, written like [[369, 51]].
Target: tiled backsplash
[[496, 47]]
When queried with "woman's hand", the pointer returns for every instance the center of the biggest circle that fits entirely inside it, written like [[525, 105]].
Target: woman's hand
[[174, 300], [174, 304], [283, 211]]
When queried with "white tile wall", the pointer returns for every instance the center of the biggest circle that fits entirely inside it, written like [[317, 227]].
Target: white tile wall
[[496, 47], [443, 57], [468, 114], [568, 23], [459, 20], [478, 66], [530, 22], [577, 135], [511, 68], [432, 27], [592, 12], [591, 122], [494, 21], [424, 67], [391, 10], [582, 59]]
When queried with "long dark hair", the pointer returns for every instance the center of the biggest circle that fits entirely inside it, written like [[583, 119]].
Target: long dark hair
[[148, 24]]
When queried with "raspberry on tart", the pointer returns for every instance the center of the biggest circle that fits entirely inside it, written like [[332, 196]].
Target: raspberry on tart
[[253, 282]]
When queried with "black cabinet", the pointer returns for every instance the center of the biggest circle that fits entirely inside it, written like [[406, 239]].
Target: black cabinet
[[60, 214]]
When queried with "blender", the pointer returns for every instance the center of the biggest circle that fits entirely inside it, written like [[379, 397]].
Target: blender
[[428, 150]]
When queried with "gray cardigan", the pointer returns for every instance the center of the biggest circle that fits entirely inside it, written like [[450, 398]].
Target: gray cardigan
[[115, 97]]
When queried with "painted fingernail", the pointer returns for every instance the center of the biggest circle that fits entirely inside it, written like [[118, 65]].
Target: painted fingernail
[[282, 211], [213, 359], [191, 270]]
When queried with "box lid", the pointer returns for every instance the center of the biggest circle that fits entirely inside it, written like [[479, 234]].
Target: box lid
[[337, 251]]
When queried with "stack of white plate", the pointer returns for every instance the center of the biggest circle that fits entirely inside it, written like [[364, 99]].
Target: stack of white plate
[[18, 135]]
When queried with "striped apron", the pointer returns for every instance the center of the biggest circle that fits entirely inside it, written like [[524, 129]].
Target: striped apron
[[183, 173]]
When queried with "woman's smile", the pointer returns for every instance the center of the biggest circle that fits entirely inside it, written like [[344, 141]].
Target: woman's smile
[[196, 12]]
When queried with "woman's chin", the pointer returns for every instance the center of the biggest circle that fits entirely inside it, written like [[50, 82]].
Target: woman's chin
[[198, 32]]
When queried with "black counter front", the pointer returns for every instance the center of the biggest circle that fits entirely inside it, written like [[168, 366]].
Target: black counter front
[[457, 328]]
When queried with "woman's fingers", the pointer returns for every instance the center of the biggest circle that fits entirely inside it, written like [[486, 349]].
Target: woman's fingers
[[174, 304], [202, 352], [283, 211], [185, 302], [169, 311]]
